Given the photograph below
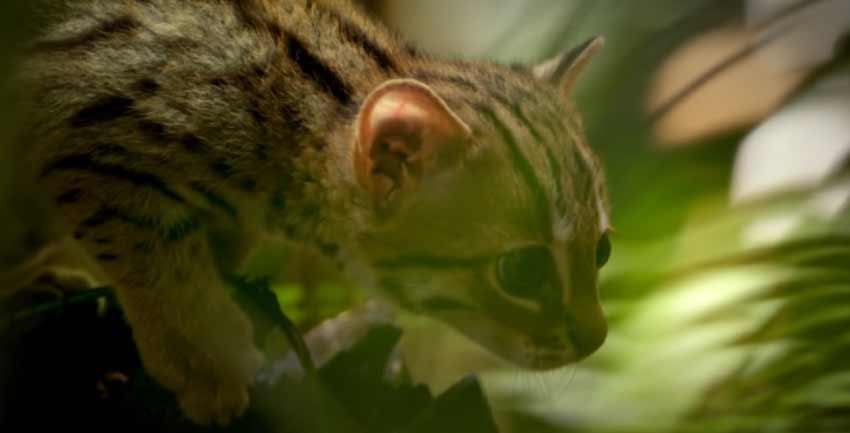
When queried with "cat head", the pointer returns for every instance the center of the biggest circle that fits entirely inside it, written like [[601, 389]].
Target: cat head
[[489, 211]]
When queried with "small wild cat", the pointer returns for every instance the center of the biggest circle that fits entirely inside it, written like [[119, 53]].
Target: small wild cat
[[174, 134]]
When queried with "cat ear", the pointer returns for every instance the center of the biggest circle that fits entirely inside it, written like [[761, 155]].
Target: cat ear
[[563, 70], [405, 132]]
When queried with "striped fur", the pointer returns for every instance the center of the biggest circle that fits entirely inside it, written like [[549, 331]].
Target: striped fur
[[162, 126]]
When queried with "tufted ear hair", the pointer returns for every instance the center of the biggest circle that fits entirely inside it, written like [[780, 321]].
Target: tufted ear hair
[[564, 69]]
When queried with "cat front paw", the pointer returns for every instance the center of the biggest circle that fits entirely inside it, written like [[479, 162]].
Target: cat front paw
[[209, 364], [219, 399], [221, 370]]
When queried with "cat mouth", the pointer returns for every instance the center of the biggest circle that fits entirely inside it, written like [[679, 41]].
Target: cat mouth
[[552, 352], [535, 359]]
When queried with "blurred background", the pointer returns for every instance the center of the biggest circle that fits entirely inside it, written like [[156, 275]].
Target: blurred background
[[724, 127]]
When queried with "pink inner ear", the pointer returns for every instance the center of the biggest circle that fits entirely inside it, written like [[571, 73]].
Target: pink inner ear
[[404, 121], [408, 109], [399, 116]]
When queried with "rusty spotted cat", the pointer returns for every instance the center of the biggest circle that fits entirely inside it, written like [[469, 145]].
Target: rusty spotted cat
[[173, 135]]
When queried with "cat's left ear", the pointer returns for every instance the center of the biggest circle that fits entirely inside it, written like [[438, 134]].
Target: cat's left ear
[[405, 132], [564, 69]]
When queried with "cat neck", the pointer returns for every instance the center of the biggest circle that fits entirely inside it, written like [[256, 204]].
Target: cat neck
[[317, 199]]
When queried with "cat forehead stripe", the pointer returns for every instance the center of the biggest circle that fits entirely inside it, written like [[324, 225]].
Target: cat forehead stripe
[[554, 165], [560, 198], [496, 90], [516, 110], [521, 164]]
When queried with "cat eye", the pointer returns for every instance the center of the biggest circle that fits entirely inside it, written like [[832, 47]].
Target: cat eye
[[603, 250], [525, 272]]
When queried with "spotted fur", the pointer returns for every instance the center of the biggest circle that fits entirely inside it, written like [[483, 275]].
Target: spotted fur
[[163, 126]]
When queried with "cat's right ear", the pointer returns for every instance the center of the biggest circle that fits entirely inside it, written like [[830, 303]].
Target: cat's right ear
[[405, 132], [563, 70]]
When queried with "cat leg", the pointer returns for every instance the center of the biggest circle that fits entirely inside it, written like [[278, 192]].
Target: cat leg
[[191, 336], [152, 243]]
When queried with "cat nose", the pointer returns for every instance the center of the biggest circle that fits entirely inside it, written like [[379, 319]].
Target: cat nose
[[589, 341], [587, 333]]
